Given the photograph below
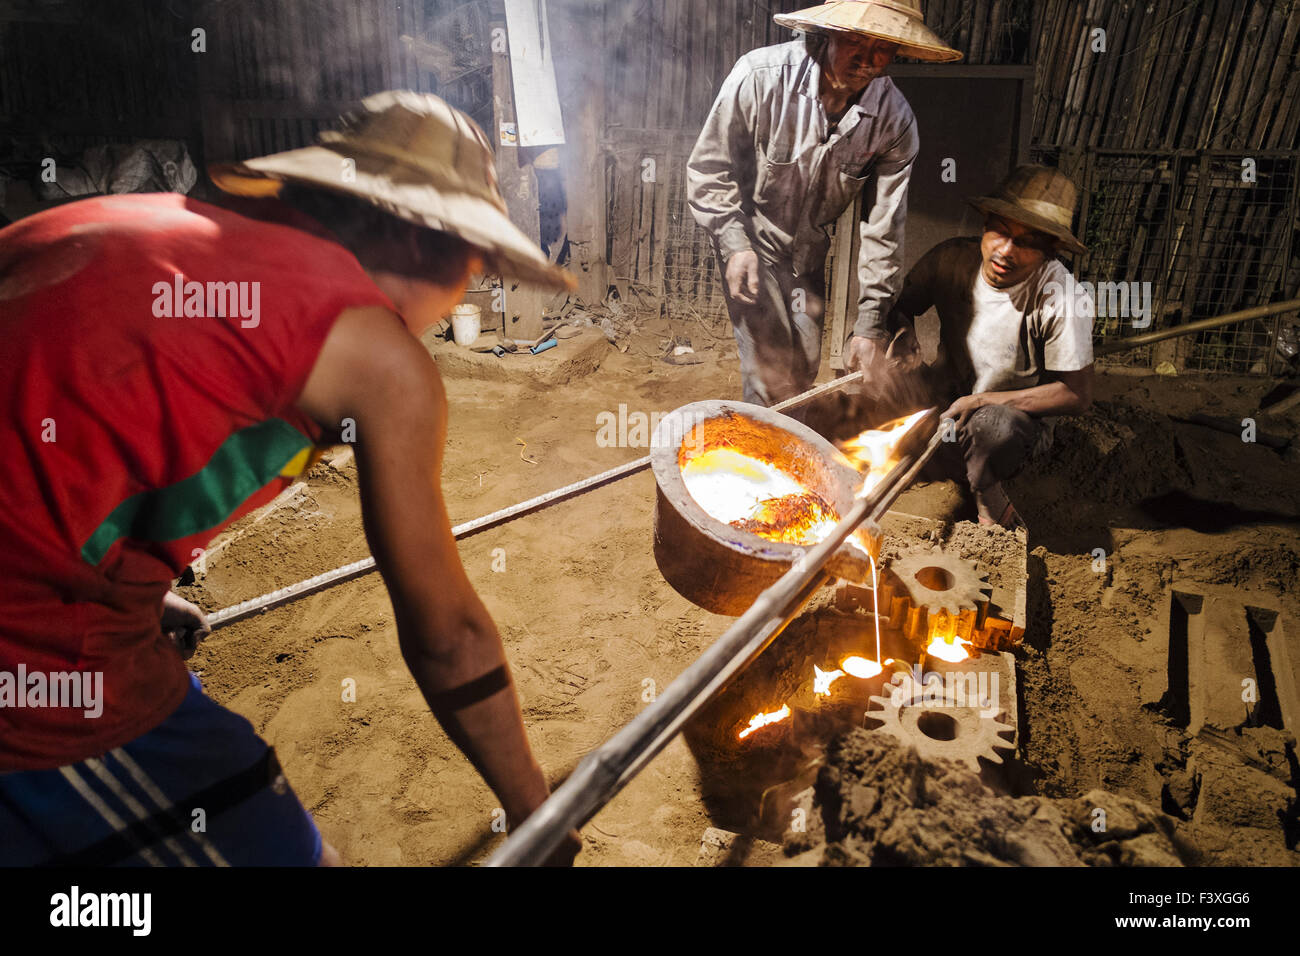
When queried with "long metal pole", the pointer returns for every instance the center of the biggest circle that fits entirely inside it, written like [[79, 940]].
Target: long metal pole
[[356, 569], [606, 770], [1200, 325]]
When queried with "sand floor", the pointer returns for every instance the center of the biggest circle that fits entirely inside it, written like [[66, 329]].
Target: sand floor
[[592, 630]]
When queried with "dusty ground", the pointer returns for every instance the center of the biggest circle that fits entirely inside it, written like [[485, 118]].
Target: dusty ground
[[592, 630]]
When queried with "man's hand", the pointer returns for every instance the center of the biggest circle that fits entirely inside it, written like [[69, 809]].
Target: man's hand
[[961, 409], [867, 355], [183, 623], [742, 276]]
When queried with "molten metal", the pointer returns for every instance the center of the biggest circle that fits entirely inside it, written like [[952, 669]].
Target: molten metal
[[860, 667], [822, 680], [951, 649], [759, 721], [803, 518]]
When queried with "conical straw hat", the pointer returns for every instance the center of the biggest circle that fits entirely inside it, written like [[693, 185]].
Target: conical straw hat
[[898, 21], [418, 159]]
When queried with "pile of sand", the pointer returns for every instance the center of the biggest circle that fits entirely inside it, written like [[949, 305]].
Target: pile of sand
[[877, 803]]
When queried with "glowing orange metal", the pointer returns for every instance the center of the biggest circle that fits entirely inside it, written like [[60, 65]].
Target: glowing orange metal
[[759, 721], [822, 680], [951, 649]]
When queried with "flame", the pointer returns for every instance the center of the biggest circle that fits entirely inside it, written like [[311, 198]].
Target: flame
[[758, 721], [872, 452], [951, 649], [822, 680]]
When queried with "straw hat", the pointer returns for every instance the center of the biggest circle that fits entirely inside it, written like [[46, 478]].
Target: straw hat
[[1039, 197], [418, 159], [898, 21]]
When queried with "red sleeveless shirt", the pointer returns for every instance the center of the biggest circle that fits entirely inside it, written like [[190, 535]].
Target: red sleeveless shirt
[[152, 349]]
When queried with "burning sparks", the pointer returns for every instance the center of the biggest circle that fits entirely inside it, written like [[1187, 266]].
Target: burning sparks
[[822, 680], [873, 451], [759, 721]]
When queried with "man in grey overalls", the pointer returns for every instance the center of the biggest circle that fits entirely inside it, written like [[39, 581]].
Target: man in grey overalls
[[797, 131]]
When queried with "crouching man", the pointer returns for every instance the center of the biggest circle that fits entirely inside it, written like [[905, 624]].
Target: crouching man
[[1015, 336]]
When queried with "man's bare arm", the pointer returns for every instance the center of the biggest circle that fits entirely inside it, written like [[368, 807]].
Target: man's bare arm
[[1070, 394], [372, 370]]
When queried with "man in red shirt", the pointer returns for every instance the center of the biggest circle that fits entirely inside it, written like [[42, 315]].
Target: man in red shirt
[[165, 367]]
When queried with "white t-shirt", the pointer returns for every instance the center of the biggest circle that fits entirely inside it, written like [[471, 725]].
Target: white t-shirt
[[999, 340]]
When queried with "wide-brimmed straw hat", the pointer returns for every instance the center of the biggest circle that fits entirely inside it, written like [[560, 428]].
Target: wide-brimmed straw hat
[[898, 21], [418, 159], [1039, 197]]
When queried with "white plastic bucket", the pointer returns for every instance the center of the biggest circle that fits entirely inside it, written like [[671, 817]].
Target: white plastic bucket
[[466, 324]]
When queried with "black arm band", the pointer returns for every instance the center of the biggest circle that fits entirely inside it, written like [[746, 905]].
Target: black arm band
[[471, 692]]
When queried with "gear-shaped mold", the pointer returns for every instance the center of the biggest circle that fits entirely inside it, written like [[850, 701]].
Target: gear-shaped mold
[[933, 591], [944, 730]]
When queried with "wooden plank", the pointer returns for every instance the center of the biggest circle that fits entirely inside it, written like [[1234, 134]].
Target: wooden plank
[[1244, 70], [684, 31], [523, 304], [1092, 122], [1286, 49], [1209, 93], [1141, 83], [1084, 78], [583, 156], [1180, 245], [1080, 70], [1167, 79], [1244, 115], [1200, 203], [1276, 264], [211, 77], [620, 216], [1066, 55], [1047, 41], [843, 273], [1191, 69], [1288, 117], [659, 223], [668, 109]]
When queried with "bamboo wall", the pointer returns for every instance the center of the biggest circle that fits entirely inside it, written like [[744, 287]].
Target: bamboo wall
[[1159, 129], [1151, 128], [664, 63], [1176, 74]]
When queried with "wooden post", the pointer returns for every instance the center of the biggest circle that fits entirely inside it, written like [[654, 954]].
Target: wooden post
[[522, 319], [842, 297], [580, 25]]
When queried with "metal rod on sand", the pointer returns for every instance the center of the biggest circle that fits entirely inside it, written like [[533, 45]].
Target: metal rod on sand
[[356, 569], [607, 769]]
